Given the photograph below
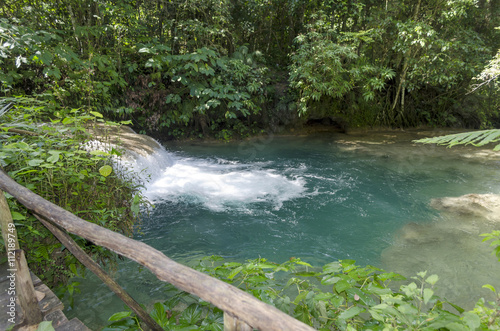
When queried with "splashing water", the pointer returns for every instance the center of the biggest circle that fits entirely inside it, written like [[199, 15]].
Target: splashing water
[[220, 184]]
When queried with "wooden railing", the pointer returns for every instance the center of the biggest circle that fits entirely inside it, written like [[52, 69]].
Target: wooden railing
[[241, 310]]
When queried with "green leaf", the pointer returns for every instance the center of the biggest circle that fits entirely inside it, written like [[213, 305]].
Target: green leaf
[[473, 321], [159, 314], [35, 162], [45, 326], [342, 285], [67, 120], [235, 272], [119, 316], [303, 263], [376, 315], [491, 288], [96, 114], [454, 326], [72, 267], [136, 203], [350, 313], [432, 279], [54, 156], [235, 104], [323, 296], [458, 308], [191, 314], [477, 138], [105, 170], [306, 273], [428, 293], [337, 301], [327, 280], [302, 314], [356, 294], [99, 153], [299, 297], [17, 216], [332, 267]]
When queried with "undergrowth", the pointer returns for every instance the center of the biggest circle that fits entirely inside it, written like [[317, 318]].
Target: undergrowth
[[43, 150], [339, 296]]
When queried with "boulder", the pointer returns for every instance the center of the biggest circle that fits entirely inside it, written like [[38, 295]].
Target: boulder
[[485, 206], [126, 138]]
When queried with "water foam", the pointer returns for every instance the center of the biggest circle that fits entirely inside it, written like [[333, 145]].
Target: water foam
[[217, 184], [220, 184]]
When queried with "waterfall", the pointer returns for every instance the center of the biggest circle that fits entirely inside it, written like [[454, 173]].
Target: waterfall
[[216, 184]]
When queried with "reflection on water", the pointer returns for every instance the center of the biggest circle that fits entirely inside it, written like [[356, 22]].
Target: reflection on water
[[321, 199]]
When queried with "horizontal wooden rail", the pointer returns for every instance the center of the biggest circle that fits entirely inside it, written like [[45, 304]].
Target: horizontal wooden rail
[[230, 299]]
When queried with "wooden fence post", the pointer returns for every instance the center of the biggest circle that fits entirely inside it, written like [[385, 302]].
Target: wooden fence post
[[88, 262], [26, 291], [9, 232], [18, 267]]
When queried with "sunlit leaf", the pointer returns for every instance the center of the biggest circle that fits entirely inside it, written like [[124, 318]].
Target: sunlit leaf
[[54, 156], [96, 114], [491, 288], [45, 326], [105, 170], [428, 293], [35, 162], [119, 316], [432, 279]]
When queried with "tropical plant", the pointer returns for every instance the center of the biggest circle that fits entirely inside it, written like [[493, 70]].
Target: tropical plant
[[45, 153], [475, 138], [327, 65], [339, 296], [397, 63]]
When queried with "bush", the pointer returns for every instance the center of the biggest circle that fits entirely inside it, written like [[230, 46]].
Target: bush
[[340, 296], [44, 152]]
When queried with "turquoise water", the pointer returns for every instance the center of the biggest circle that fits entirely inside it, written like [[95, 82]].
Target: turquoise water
[[320, 198]]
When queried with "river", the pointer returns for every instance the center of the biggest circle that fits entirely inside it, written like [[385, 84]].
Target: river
[[321, 198]]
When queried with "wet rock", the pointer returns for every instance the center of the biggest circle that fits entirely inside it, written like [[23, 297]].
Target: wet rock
[[124, 137], [471, 205]]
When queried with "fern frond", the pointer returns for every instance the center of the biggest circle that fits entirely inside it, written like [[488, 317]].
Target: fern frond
[[476, 138], [4, 109]]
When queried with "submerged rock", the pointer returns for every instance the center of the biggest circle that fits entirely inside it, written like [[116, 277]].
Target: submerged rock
[[418, 234], [486, 206], [451, 247]]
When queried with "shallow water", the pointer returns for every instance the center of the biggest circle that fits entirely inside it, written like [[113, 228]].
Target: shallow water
[[320, 198]]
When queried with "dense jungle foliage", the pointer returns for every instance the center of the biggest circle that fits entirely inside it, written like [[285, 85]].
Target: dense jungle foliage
[[234, 68], [230, 69], [49, 154]]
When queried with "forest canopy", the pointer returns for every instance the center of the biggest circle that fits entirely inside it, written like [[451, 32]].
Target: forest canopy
[[229, 69]]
